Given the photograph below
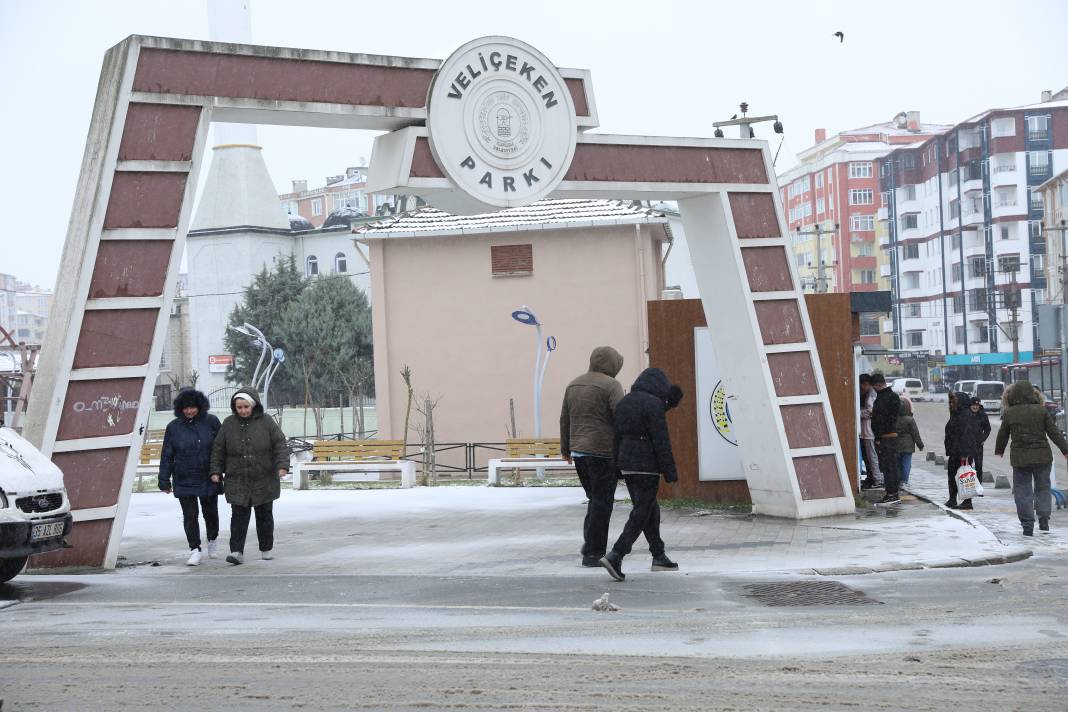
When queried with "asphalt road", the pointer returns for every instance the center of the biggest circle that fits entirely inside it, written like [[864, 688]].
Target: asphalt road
[[990, 638]]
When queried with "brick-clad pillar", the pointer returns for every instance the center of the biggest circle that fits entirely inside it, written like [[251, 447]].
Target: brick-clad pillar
[[100, 360]]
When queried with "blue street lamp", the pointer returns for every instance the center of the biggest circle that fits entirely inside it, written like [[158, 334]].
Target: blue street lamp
[[525, 315]]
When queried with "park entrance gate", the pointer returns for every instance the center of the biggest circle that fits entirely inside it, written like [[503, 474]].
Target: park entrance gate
[[495, 125]]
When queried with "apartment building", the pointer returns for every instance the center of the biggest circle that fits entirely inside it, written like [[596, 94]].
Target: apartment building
[[344, 196], [1055, 227], [964, 232], [831, 198]]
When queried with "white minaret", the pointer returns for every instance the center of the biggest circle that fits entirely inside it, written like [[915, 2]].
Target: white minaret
[[239, 226]]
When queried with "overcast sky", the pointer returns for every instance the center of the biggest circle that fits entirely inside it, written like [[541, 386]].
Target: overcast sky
[[663, 68]]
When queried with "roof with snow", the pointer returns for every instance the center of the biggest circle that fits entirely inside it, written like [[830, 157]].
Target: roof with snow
[[542, 215]]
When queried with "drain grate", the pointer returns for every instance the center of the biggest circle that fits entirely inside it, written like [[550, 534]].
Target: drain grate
[[807, 593]]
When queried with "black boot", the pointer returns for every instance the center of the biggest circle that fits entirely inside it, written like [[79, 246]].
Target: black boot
[[591, 562], [614, 563], [1028, 529], [663, 563], [966, 504], [951, 504], [1043, 525]]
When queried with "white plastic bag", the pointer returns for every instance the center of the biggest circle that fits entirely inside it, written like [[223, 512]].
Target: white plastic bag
[[968, 484]]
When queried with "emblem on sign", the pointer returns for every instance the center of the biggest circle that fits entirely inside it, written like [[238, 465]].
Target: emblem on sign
[[501, 122]]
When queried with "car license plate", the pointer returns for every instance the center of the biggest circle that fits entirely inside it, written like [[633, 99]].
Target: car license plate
[[46, 531]]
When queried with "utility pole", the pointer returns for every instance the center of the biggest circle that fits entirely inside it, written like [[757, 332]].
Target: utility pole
[[745, 124], [819, 232], [1061, 315], [1010, 299]]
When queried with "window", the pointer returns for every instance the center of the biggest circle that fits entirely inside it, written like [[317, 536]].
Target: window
[[1038, 264], [1037, 128], [909, 192], [981, 334], [1005, 197], [1006, 232], [869, 325], [292, 207], [341, 265], [865, 249], [884, 197], [956, 272], [1005, 163], [954, 209], [977, 299], [860, 170], [908, 161], [867, 276], [1005, 126], [956, 241], [317, 206], [1040, 295], [1038, 162], [910, 221], [977, 267], [913, 309], [511, 260], [861, 196], [862, 222], [910, 280], [819, 179], [960, 333], [1037, 202], [910, 252], [346, 199], [819, 206], [915, 338], [311, 266], [1010, 263], [958, 303]]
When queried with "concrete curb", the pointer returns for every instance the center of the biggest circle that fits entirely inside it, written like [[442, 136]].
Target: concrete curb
[[1015, 554], [1012, 556]]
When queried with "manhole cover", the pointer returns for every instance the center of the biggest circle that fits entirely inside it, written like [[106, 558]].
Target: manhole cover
[[807, 593]]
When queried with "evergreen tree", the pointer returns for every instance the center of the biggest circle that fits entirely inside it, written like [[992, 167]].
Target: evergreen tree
[[328, 332]]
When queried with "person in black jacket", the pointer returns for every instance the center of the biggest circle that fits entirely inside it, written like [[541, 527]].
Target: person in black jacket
[[643, 454], [183, 468], [884, 414], [979, 412], [963, 442]]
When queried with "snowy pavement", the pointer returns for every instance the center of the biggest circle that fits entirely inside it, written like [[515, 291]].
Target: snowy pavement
[[481, 531]]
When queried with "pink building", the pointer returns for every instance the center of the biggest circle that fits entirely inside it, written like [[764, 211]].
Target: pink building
[[444, 287]]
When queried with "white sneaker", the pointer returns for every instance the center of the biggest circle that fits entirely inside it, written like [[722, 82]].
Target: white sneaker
[[194, 558], [266, 555], [213, 549], [236, 557]]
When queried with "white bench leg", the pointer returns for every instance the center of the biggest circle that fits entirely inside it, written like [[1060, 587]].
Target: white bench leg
[[407, 473], [491, 473], [300, 477]]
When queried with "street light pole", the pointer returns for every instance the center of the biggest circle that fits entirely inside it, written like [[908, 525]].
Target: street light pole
[[821, 279], [277, 356], [525, 315]]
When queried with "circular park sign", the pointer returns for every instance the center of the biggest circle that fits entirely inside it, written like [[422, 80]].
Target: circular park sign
[[501, 122]]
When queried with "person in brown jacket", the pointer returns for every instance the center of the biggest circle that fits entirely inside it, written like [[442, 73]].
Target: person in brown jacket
[[587, 437], [250, 450], [1028, 424]]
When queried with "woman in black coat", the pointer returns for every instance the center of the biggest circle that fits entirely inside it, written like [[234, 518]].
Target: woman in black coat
[[643, 454], [183, 468], [964, 441]]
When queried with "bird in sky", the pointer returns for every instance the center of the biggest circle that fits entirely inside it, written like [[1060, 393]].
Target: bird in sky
[[734, 117], [841, 37]]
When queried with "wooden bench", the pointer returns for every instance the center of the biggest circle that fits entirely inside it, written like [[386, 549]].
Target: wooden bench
[[148, 462], [369, 458], [528, 454]]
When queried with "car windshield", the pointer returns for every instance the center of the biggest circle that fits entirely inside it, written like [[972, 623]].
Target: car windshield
[[989, 391]]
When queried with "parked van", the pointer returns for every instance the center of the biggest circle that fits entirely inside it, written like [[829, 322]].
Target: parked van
[[34, 509], [965, 387], [910, 387], [989, 393]]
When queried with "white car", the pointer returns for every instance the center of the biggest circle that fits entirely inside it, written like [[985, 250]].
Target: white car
[[911, 387], [34, 509], [965, 387], [989, 394]]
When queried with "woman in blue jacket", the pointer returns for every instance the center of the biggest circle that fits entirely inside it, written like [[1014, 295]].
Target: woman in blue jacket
[[183, 468]]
